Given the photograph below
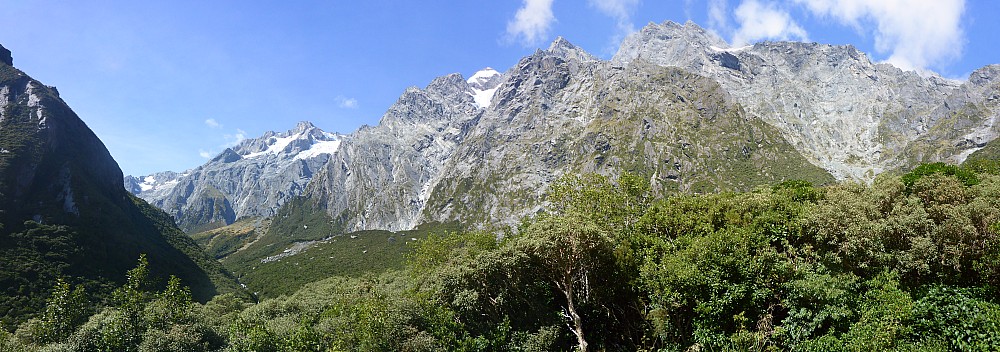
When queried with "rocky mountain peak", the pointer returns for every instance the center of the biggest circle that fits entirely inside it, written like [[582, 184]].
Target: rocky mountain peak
[[669, 40], [846, 114], [569, 52], [5, 56], [486, 78], [227, 156], [449, 85], [251, 179], [301, 139], [985, 75], [303, 126]]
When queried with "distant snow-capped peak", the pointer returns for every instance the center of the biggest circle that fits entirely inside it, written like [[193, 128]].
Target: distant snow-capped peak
[[305, 141], [484, 84], [482, 77]]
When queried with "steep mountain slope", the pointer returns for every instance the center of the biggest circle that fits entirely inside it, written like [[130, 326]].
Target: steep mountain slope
[[845, 113], [392, 166], [557, 113], [64, 213], [560, 110], [251, 179], [383, 175]]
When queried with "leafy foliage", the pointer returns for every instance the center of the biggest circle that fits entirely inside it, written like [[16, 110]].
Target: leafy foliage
[[967, 177], [886, 266]]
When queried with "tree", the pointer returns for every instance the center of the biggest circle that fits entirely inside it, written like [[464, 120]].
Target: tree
[[65, 310], [123, 328], [131, 297], [615, 204], [175, 303], [571, 251]]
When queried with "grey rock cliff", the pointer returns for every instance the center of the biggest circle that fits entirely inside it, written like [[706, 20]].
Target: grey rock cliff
[[847, 114], [384, 175], [435, 157], [559, 112]]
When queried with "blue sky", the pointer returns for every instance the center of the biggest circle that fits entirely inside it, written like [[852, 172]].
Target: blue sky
[[166, 84]]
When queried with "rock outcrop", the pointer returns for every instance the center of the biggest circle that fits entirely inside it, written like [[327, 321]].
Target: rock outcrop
[[558, 111], [384, 175]]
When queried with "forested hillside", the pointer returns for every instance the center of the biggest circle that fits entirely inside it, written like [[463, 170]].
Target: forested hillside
[[909, 262]]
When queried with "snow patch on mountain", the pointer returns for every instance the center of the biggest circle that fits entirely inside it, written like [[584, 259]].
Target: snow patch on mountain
[[151, 183], [483, 76], [159, 183], [148, 183], [253, 178], [319, 147], [484, 84], [276, 145], [483, 98]]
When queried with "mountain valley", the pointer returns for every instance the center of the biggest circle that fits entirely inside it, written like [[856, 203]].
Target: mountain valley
[[683, 194]]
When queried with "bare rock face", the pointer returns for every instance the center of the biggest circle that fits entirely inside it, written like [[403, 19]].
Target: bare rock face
[[846, 114], [48, 155], [384, 175], [558, 113], [438, 156]]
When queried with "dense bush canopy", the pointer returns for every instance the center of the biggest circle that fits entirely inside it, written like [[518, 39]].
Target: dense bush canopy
[[908, 262]]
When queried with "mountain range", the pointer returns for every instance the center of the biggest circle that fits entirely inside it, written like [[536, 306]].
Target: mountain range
[[676, 104], [251, 179]]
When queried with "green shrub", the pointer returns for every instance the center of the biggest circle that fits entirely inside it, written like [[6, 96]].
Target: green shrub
[[966, 176], [957, 317]]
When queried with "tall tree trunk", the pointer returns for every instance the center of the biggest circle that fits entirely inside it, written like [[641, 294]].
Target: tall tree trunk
[[575, 317]]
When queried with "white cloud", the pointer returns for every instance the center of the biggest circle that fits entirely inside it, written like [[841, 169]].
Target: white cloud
[[234, 139], [718, 18], [347, 103], [621, 10], [687, 8], [759, 21], [231, 141], [213, 124], [531, 22], [916, 34]]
